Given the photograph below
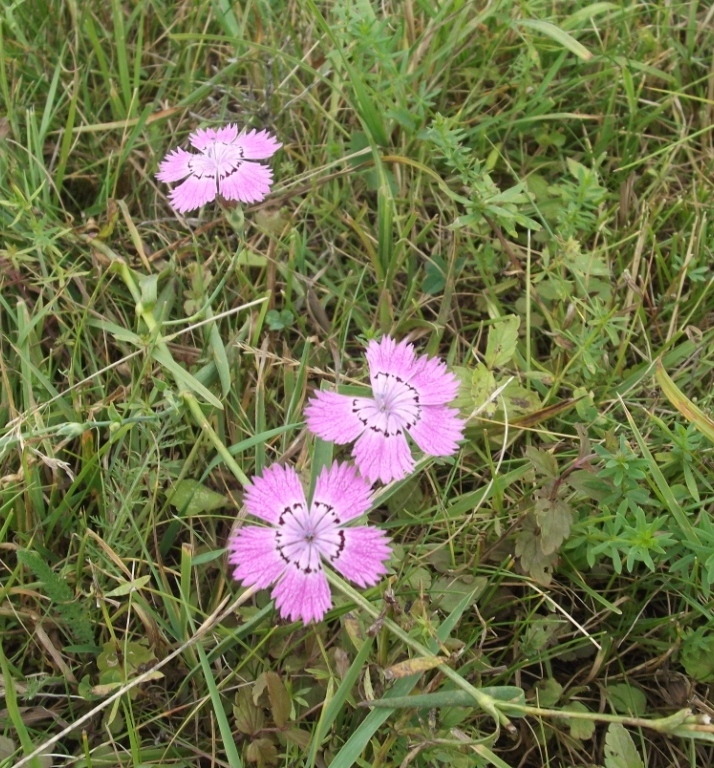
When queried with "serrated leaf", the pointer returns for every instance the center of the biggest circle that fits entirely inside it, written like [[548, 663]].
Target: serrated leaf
[[534, 561], [554, 518], [419, 579], [249, 718], [626, 699], [539, 634], [192, 498], [262, 752], [279, 699], [543, 462], [502, 340], [620, 750], [298, 737]]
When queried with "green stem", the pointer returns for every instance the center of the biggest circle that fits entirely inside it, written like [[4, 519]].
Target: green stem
[[208, 430], [483, 700], [147, 315]]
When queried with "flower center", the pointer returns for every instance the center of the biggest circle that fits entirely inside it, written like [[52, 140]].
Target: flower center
[[304, 535], [394, 407]]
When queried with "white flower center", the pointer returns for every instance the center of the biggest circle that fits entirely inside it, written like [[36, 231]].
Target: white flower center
[[305, 535], [393, 409]]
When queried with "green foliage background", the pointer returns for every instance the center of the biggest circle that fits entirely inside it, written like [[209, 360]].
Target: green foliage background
[[523, 188]]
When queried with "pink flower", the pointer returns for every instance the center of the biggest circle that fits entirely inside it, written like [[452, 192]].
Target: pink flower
[[222, 167], [290, 552], [410, 394]]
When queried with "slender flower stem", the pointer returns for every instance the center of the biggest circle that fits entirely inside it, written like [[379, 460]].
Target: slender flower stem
[[682, 723], [218, 444], [486, 702]]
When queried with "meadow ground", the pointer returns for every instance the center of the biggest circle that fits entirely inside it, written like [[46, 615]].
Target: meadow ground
[[521, 188]]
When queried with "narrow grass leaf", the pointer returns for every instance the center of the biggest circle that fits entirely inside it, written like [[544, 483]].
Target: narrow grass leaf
[[557, 34], [356, 743], [683, 404], [183, 378], [504, 694], [665, 492], [588, 13], [14, 713], [332, 710]]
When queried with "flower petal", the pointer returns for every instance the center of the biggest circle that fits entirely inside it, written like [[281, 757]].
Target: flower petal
[[278, 488], [438, 430], [255, 553], [342, 489], [362, 558], [258, 145], [383, 457], [249, 183], [386, 356], [175, 166], [304, 596], [192, 194], [435, 384], [332, 416], [204, 137]]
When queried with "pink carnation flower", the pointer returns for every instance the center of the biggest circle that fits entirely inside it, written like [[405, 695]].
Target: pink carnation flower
[[222, 167], [410, 394], [290, 553]]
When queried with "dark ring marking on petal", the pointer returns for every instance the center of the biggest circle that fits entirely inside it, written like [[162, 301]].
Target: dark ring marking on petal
[[297, 506], [386, 432], [280, 546], [340, 546], [328, 510]]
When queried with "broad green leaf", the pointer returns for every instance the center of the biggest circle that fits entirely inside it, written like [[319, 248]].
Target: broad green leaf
[[539, 634], [519, 401], [626, 699], [543, 462], [698, 655], [279, 698], [579, 729], [548, 692], [534, 561], [483, 385], [191, 498], [554, 517], [502, 340], [249, 717], [620, 750]]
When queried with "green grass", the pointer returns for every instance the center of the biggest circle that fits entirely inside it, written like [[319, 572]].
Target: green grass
[[523, 188]]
